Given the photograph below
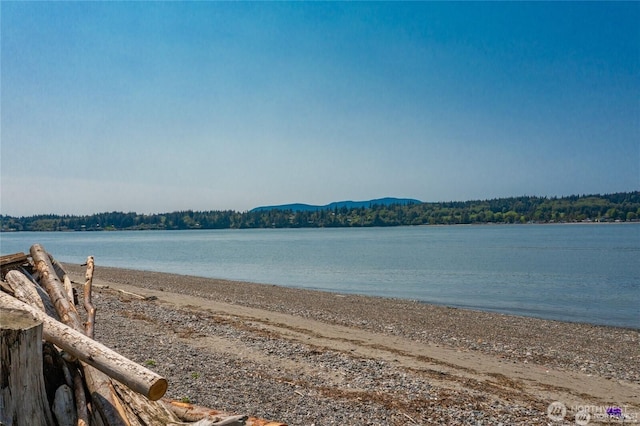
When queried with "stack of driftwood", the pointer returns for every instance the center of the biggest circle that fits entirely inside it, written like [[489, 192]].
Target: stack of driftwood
[[69, 378]]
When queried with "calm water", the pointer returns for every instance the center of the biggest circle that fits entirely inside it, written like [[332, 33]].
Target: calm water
[[585, 273]]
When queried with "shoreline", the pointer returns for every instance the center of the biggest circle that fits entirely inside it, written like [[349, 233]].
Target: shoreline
[[366, 296], [592, 222], [370, 359]]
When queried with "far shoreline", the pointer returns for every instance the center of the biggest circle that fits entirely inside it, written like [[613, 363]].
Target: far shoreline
[[436, 225]]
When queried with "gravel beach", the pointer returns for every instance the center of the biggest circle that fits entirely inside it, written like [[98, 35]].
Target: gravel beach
[[314, 358]]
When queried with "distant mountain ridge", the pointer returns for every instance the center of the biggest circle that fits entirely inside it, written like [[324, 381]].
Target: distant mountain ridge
[[299, 207]]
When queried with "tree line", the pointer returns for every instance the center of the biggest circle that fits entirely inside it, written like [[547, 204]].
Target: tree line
[[618, 207]]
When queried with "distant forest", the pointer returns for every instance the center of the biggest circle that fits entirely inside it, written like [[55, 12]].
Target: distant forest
[[618, 207]]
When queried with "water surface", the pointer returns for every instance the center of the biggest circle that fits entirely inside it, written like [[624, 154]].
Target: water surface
[[584, 273]]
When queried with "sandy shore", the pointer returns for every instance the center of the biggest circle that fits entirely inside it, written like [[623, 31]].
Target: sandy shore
[[306, 357]]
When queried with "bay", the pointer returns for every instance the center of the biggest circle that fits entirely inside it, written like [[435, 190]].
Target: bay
[[574, 272]]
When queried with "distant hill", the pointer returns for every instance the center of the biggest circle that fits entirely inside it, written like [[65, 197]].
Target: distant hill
[[298, 207], [617, 207]]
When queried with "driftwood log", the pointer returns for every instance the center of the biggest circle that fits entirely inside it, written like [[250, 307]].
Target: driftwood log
[[55, 288], [64, 277], [120, 392], [26, 290], [101, 390], [88, 305], [107, 408], [64, 408], [135, 376], [23, 399], [80, 397], [13, 261]]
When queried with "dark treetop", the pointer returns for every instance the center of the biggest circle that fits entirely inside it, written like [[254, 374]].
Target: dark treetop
[[618, 207]]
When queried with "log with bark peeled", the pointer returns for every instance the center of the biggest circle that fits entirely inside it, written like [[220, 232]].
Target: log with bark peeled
[[24, 289], [23, 398], [191, 413], [64, 277], [135, 376], [63, 407], [48, 305], [98, 383], [80, 399], [50, 281], [88, 306]]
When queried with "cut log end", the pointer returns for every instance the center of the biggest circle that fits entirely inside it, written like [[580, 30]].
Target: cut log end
[[15, 319], [158, 389]]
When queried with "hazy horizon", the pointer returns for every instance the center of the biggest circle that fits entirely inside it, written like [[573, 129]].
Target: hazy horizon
[[166, 106], [303, 203]]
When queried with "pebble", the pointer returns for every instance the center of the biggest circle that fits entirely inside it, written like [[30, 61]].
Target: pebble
[[301, 384]]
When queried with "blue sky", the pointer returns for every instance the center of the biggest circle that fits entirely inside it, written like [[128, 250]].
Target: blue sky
[[164, 106]]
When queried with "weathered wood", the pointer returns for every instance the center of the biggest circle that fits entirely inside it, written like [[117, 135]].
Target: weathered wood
[[73, 379], [108, 407], [8, 259], [88, 306], [63, 277], [4, 286], [189, 412], [99, 384], [12, 261], [63, 407], [163, 413], [134, 402], [53, 285], [192, 413], [23, 399], [135, 376], [128, 293], [95, 417], [80, 399], [66, 371], [30, 292], [53, 367], [24, 289], [137, 408]]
